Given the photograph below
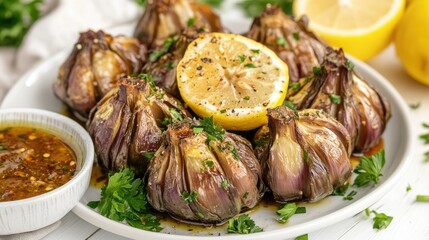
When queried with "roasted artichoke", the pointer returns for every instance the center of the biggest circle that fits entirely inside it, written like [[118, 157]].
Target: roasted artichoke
[[164, 59], [94, 67], [299, 48], [338, 91], [163, 18], [126, 125], [307, 154], [203, 175]]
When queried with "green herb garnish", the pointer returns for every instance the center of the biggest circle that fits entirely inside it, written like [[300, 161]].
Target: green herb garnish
[[415, 105], [350, 65], [425, 136], [261, 141], [250, 65], [380, 220], [243, 225], [208, 163], [369, 169], [224, 184], [350, 195], [281, 41], [149, 155], [247, 98], [317, 71], [241, 58], [295, 86], [213, 3], [16, 18], [302, 237], [288, 210], [255, 51], [191, 22], [160, 52], [295, 35], [341, 191], [189, 197], [254, 8], [335, 99], [214, 132], [408, 188], [289, 105], [422, 198], [123, 198]]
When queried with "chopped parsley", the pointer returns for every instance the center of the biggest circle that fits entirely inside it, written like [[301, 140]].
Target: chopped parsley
[[422, 198], [255, 51], [380, 220], [250, 65], [214, 132], [246, 98], [149, 155], [415, 105], [191, 22], [208, 163], [335, 99], [254, 8], [425, 136], [189, 197], [148, 78], [261, 141], [295, 35], [317, 71], [213, 3], [224, 184], [302, 237], [123, 198], [349, 65], [289, 105], [243, 225], [223, 111], [295, 86], [341, 191], [160, 52], [369, 169], [281, 41], [242, 58], [16, 18], [350, 195], [408, 188], [288, 210]]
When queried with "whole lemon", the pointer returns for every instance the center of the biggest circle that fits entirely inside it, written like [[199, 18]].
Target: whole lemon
[[412, 40]]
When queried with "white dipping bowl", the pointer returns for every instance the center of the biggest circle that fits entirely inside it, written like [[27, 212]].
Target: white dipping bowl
[[37, 212]]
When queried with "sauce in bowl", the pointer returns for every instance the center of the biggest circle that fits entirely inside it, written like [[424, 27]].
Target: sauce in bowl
[[32, 162]]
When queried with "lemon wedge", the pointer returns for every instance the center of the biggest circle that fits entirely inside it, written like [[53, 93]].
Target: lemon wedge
[[363, 28], [232, 78]]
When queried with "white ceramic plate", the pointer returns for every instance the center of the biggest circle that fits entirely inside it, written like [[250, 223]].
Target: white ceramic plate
[[34, 90]]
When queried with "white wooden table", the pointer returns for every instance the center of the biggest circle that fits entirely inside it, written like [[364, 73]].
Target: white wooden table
[[411, 219]]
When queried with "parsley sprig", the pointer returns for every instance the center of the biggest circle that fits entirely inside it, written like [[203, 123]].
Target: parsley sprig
[[369, 169], [254, 8], [123, 198], [214, 131], [243, 225], [288, 210], [16, 18], [380, 220], [160, 52]]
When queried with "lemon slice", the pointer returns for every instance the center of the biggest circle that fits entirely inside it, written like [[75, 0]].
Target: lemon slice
[[362, 27], [232, 78]]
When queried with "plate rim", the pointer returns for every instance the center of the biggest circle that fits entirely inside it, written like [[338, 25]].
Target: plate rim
[[93, 217]]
